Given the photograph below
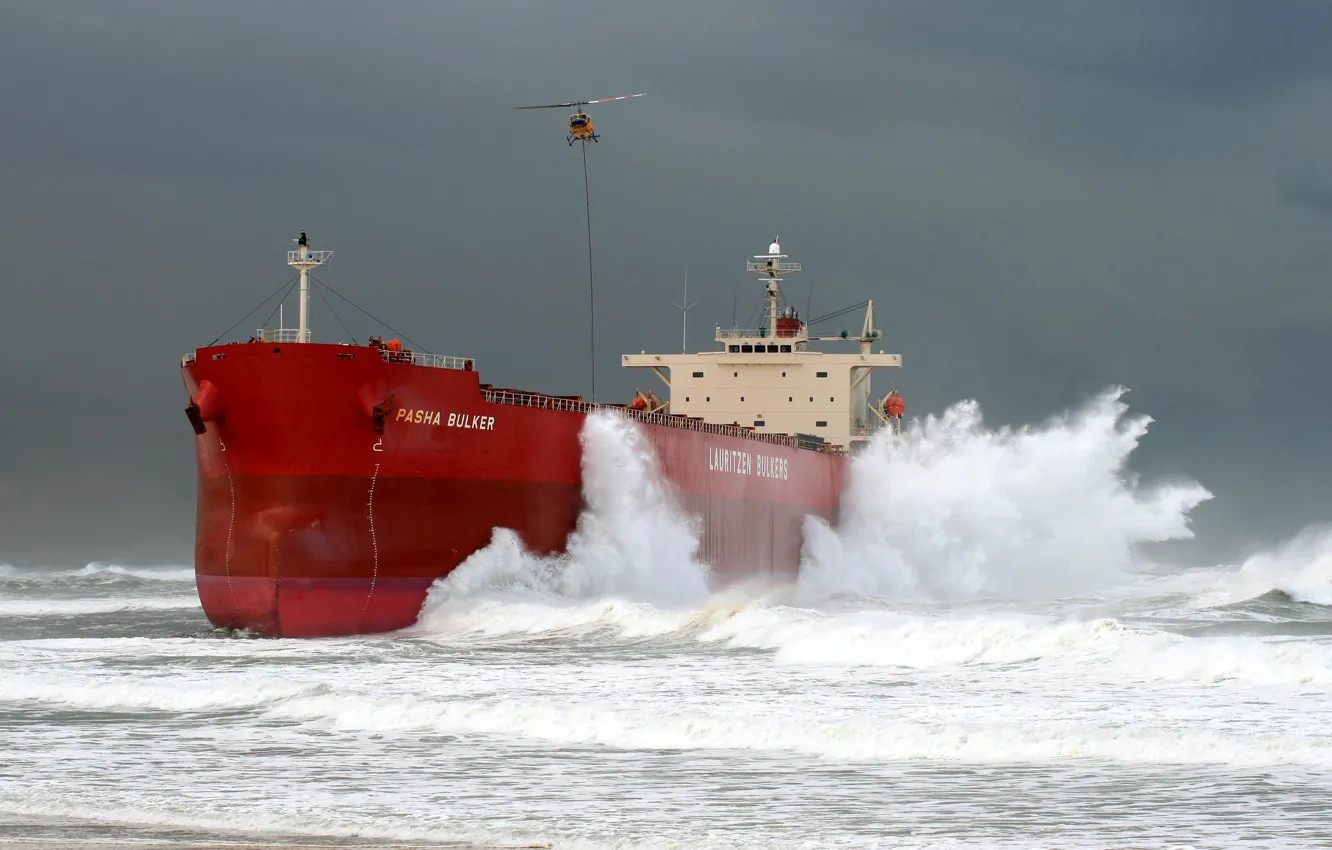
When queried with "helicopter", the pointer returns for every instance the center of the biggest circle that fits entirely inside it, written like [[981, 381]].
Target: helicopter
[[580, 123]]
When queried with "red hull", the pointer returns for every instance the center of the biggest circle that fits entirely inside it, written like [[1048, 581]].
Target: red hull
[[311, 522]]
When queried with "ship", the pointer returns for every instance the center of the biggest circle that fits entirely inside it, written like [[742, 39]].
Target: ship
[[337, 482]]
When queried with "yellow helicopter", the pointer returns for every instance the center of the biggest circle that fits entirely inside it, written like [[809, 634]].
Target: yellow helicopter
[[580, 123]]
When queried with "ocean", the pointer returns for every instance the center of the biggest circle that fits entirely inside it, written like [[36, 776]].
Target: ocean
[[982, 654]]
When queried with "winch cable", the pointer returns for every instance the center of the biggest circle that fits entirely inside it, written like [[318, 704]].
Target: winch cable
[[368, 314], [284, 286], [351, 337], [591, 299], [836, 313], [278, 306]]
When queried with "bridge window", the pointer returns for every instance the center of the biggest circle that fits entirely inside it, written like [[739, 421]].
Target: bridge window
[[822, 423], [820, 374], [698, 374]]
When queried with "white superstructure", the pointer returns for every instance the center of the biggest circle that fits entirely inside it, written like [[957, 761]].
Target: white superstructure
[[769, 380]]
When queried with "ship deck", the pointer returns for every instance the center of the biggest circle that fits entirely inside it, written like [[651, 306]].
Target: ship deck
[[576, 404]]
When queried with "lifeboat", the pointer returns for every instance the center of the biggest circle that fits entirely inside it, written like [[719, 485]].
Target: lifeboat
[[894, 406]]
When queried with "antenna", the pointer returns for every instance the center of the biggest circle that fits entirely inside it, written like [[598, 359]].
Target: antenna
[[809, 297], [684, 306]]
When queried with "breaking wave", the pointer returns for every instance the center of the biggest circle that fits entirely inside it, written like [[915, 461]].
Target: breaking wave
[[632, 541], [166, 695], [97, 571], [79, 607], [952, 510], [838, 736], [935, 526], [1300, 568]]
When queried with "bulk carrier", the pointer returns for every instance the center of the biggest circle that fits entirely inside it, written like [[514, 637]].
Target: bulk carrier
[[337, 482]]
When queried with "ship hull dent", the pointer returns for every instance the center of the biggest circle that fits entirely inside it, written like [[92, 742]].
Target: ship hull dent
[[315, 520]]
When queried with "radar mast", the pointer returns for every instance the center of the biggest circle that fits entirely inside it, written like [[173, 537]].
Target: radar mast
[[303, 259]]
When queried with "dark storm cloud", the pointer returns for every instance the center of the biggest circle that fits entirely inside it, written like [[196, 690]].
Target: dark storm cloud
[[1044, 198], [1197, 50], [1312, 194]]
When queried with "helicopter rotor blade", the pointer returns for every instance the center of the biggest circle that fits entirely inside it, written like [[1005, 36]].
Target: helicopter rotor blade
[[580, 102], [621, 97], [554, 105]]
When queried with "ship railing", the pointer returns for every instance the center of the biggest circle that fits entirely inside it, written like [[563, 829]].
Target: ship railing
[[434, 361], [577, 405], [282, 335], [737, 333], [771, 266], [757, 333], [187, 358]]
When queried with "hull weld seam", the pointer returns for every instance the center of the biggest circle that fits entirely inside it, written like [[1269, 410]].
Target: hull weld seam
[[374, 540]]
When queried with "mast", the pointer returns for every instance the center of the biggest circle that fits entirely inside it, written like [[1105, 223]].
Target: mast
[[684, 306], [303, 259], [771, 264]]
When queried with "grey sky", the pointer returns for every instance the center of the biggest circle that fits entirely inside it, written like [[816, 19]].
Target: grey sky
[[1043, 198]]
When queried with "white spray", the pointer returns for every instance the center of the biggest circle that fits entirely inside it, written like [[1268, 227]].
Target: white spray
[[1300, 567], [632, 541], [951, 510]]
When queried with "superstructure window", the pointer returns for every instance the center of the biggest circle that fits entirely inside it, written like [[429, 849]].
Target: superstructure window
[[822, 423], [735, 374], [790, 398], [746, 349], [820, 374], [735, 349], [742, 398], [698, 374], [786, 349], [783, 374], [772, 349], [686, 398], [759, 423]]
